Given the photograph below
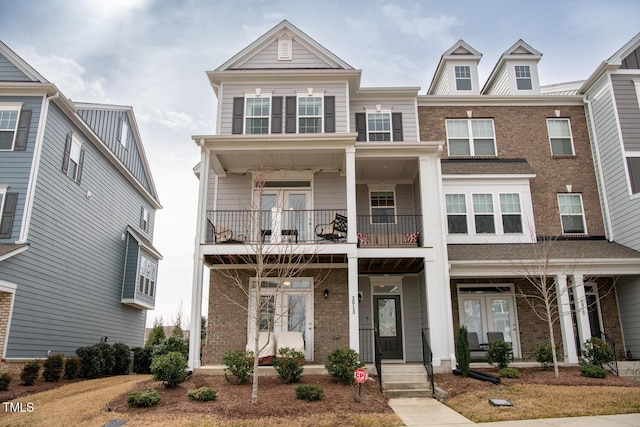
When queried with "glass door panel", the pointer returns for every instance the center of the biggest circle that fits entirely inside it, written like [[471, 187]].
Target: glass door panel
[[296, 216], [472, 317]]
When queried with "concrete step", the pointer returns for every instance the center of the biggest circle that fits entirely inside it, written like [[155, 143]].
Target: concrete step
[[406, 385], [403, 377], [395, 394], [402, 369]]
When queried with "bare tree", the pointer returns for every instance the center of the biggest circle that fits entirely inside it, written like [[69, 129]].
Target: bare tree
[[274, 265]]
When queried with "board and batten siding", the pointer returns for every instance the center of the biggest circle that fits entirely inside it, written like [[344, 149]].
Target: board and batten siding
[[11, 73], [405, 106], [628, 292], [107, 124], [69, 282], [268, 58], [230, 91], [15, 166], [622, 207]]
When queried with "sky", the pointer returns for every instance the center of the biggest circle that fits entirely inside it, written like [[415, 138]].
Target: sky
[[153, 55]]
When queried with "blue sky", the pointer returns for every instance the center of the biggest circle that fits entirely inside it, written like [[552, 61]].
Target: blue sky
[[153, 54]]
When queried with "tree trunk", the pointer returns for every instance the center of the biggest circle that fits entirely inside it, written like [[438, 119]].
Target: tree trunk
[[556, 372]]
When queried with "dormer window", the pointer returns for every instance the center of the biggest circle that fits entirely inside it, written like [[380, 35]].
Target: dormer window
[[523, 77], [463, 77]]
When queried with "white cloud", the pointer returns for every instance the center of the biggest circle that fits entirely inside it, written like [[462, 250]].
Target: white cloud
[[171, 119], [435, 30]]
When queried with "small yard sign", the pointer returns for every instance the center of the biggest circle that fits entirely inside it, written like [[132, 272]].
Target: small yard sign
[[360, 375]]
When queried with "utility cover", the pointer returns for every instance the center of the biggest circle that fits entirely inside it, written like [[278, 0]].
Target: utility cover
[[500, 402]]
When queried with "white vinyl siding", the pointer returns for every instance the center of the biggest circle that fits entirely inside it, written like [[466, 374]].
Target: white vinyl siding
[[406, 107], [301, 57]]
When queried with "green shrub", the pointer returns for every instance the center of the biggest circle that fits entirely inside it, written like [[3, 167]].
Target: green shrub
[[107, 359], [122, 358], [30, 373], [5, 380], [543, 354], [170, 368], [143, 399], [53, 367], [309, 392], [203, 394], [463, 352], [593, 371], [156, 335], [142, 357], [90, 361], [240, 364], [71, 368], [596, 352], [342, 363], [499, 353], [173, 343], [288, 364], [509, 373]]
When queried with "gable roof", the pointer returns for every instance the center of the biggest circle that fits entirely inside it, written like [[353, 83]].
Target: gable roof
[[519, 50], [270, 36], [460, 50], [21, 64], [612, 63]]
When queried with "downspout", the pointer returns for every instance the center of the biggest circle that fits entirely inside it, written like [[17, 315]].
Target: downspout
[[35, 167], [604, 200]]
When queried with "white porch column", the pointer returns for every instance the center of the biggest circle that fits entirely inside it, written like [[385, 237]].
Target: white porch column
[[438, 293], [354, 334], [582, 309], [198, 262], [350, 173], [566, 323]]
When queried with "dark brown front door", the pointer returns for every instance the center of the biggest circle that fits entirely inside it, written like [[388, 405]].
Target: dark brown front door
[[389, 325]]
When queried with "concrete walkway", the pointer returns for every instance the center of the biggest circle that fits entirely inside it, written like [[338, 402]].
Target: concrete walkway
[[423, 412]]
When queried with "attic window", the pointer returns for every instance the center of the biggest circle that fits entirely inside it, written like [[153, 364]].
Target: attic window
[[284, 49], [523, 77], [463, 77]]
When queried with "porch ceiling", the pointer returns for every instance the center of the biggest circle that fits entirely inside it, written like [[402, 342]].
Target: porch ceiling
[[390, 265], [267, 160], [389, 169]]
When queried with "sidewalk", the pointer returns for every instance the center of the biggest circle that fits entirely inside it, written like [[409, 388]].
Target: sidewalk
[[423, 412]]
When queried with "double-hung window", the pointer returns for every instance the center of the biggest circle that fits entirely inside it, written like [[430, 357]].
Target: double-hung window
[[473, 137], [73, 158], [456, 213], [560, 137], [8, 127], [383, 207], [147, 271], [483, 213], [572, 214], [310, 114], [144, 219], [379, 126], [257, 113], [633, 164], [463, 77], [123, 137], [511, 213], [523, 77]]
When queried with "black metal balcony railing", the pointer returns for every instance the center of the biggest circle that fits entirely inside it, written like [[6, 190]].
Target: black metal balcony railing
[[309, 226]]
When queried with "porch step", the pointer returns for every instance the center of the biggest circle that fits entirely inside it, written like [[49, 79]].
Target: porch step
[[405, 381]]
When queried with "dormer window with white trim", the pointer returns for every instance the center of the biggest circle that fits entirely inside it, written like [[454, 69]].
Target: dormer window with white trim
[[523, 77], [463, 77]]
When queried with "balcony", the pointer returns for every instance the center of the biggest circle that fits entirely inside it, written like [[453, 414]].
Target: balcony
[[310, 227]]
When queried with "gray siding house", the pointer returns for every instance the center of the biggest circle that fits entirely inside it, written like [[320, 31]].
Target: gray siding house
[[77, 205], [612, 96]]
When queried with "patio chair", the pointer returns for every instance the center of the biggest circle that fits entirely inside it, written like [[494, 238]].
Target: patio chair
[[335, 230], [499, 336], [478, 351], [267, 347], [293, 340], [220, 234]]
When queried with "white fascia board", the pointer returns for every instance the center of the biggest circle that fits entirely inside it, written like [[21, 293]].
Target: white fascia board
[[328, 248], [27, 88], [21, 64], [278, 75], [14, 252], [395, 149], [271, 142], [368, 93], [517, 267], [509, 177], [498, 100]]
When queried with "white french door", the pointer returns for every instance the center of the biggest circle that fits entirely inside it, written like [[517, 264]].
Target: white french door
[[285, 215], [482, 313], [285, 307]]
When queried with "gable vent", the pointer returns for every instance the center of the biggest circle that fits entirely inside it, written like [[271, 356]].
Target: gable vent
[[285, 48]]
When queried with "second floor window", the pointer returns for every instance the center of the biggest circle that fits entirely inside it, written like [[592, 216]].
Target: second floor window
[[383, 207], [456, 213], [511, 213], [8, 127], [257, 114], [123, 137], [633, 164], [560, 137], [73, 158], [310, 114], [571, 214], [474, 137], [483, 213], [379, 126], [147, 271], [523, 77], [463, 77], [144, 219]]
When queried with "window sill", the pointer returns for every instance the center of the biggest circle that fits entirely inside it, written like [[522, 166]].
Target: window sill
[[564, 156]]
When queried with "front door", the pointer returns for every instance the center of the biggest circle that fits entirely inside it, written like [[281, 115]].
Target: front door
[[388, 322]]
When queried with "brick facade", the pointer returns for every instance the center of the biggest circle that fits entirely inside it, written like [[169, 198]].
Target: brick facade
[[521, 132], [227, 320], [5, 308]]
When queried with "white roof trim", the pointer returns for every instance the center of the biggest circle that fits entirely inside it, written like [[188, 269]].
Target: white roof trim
[[509, 54], [21, 64], [474, 55], [271, 35], [613, 63]]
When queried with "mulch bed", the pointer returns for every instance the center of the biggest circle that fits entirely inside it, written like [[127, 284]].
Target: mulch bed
[[275, 399], [569, 376], [17, 390]]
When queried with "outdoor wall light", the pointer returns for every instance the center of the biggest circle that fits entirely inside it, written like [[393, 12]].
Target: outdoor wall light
[[326, 293]]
